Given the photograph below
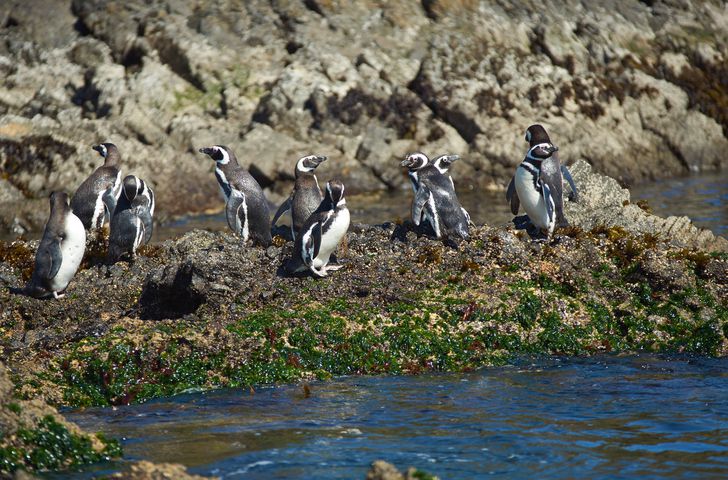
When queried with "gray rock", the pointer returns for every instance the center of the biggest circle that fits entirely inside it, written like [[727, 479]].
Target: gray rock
[[603, 202]]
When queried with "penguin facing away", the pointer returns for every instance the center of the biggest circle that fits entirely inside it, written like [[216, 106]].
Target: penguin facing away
[[96, 197], [538, 184], [246, 208], [321, 234], [306, 196], [60, 251], [131, 225], [435, 199]]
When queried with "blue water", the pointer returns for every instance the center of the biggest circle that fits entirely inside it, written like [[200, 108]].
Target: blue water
[[599, 417], [703, 198]]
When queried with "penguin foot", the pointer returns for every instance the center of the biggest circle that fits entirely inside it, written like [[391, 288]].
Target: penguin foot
[[57, 295], [332, 268], [319, 273]]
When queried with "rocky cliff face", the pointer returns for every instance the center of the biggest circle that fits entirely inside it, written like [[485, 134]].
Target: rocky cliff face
[[635, 88]]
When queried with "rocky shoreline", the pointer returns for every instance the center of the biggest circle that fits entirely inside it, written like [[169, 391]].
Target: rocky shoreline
[[202, 311], [635, 91]]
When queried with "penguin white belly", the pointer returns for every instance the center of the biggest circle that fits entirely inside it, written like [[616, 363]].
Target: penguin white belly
[[333, 236], [72, 250], [532, 200]]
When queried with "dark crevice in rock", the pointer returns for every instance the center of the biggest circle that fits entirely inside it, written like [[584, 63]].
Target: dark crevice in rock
[[170, 292], [665, 140], [87, 97], [293, 46], [466, 127], [134, 58], [314, 7], [429, 7]]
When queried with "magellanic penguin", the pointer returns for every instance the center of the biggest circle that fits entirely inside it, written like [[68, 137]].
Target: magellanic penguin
[[306, 196], [435, 199], [131, 224], [96, 197], [60, 251], [246, 208], [321, 233], [538, 184]]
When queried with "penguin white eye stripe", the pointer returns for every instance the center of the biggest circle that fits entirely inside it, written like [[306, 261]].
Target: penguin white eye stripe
[[540, 145]]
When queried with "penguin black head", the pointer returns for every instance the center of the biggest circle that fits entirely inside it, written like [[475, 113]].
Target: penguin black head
[[220, 153], [536, 134], [309, 163], [335, 192], [133, 186], [109, 152], [443, 162], [415, 161], [58, 199]]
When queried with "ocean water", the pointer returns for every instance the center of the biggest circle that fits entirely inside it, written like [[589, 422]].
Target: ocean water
[[644, 416]]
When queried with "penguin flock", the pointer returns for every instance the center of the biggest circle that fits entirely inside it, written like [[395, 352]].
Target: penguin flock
[[319, 220]]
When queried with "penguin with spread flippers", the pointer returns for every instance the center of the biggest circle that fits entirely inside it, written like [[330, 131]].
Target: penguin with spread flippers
[[321, 234], [131, 225], [538, 185], [60, 251], [435, 199], [246, 208], [95, 199], [306, 196]]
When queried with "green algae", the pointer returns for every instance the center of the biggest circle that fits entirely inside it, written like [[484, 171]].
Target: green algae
[[51, 446]]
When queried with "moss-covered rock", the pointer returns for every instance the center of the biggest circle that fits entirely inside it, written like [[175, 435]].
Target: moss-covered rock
[[34, 437]]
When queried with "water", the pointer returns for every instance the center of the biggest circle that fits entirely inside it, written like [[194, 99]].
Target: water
[[702, 197], [599, 417]]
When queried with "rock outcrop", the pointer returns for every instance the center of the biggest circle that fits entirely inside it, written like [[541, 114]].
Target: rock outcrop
[[635, 88], [204, 310]]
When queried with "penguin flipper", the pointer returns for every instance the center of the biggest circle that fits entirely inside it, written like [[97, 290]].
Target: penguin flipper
[[48, 260], [574, 195], [109, 200], [285, 206], [418, 203], [311, 243], [146, 217], [547, 199], [235, 202], [512, 196]]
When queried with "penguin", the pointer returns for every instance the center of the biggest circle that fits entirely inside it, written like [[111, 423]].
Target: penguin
[[306, 196], [96, 197], [60, 251], [321, 233], [435, 199], [131, 224], [246, 208], [538, 184]]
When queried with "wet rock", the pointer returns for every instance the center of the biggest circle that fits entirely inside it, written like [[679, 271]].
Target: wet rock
[[381, 470], [157, 471]]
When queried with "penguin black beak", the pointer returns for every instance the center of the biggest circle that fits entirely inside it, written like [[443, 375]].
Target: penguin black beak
[[98, 149], [206, 150], [406, 163], [553, 149]]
